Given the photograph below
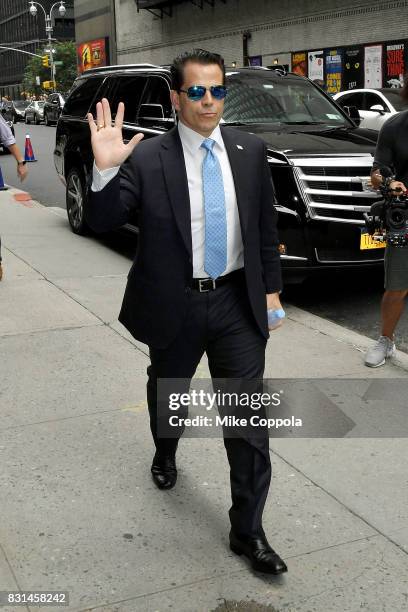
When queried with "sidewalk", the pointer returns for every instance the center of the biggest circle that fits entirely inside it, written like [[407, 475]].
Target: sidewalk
[[79, 512]]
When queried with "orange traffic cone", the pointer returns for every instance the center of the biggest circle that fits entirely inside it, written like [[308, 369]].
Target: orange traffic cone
[[28, 151], [2, 185]]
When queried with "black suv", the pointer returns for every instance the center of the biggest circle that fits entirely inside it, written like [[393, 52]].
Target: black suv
[[53, 108], [319, 159]]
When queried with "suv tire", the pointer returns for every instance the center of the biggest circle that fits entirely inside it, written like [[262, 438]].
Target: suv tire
[[76, 198]]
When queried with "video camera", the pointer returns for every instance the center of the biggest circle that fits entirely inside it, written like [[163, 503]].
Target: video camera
[[388, 218]]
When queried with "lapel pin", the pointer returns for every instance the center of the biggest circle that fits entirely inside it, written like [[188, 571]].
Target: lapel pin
[[239, 147]]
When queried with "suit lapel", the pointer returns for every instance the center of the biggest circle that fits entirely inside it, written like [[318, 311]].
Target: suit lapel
[[175, 175], [237, 159]]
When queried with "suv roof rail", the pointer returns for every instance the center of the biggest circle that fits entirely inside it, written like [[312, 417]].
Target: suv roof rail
[[119, 66]]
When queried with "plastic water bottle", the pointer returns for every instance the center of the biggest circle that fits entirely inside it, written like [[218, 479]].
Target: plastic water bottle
[[275, 317]]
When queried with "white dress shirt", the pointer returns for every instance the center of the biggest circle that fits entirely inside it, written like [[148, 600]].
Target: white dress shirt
[[193, 156]]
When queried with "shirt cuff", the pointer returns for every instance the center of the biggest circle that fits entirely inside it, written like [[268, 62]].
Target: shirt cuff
[[100, 178]]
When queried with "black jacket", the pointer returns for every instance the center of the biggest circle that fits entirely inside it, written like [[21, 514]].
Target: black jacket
[[153, 181]]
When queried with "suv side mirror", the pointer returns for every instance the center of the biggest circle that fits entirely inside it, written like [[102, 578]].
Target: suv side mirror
[[353, 113], [377, 107]]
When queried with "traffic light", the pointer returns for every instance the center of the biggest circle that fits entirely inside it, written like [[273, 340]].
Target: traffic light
[[45, 61], [49, 84]]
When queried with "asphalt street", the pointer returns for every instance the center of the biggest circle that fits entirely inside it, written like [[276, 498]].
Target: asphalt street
[[349, 299], [42, 181]]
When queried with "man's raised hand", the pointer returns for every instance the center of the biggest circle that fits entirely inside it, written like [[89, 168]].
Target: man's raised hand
[[107, 141]]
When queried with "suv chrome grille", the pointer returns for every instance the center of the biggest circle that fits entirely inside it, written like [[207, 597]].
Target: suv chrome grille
[[333, 187]]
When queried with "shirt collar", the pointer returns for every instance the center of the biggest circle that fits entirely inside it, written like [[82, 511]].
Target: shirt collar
[[193, 140]]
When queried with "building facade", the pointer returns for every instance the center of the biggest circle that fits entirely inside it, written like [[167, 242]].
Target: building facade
[[20, 30], [271, 29], [341, 43], [95, 20]]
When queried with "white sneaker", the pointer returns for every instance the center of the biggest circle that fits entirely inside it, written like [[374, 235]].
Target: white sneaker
[[377, 355]]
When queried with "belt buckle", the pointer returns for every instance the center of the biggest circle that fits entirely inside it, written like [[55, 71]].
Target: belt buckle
[[204, 280]]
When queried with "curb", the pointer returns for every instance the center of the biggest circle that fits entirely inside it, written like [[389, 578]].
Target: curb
[[340, 334]]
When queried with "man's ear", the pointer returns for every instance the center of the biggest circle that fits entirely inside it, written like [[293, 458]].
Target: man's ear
[[175, 99]]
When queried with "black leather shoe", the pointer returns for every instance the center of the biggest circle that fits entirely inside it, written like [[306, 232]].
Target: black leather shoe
[[263, 558], [164, 471]]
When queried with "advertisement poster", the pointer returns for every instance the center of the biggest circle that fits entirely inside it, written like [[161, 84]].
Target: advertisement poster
[[299, 65], [316, 65], [333, 71], [394, 64], [373, 66], [353, 73], [92, 54], [255, 60]]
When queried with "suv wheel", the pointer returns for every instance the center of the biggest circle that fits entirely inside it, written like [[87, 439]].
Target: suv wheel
[[76, 201]]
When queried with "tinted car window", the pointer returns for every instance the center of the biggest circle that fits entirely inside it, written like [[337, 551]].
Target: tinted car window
[[128, 90], [158, 92], [81, 96], [353, 99], [371, 99], [260, 97]]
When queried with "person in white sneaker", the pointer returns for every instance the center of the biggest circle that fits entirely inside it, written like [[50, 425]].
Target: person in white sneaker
[[391, 155]]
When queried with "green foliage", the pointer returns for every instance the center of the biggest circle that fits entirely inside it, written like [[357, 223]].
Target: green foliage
[[64, 52]]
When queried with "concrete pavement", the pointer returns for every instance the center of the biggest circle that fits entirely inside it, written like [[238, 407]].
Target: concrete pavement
[[78, 509]]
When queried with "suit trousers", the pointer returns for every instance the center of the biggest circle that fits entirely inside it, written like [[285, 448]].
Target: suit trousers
[[220, 323]]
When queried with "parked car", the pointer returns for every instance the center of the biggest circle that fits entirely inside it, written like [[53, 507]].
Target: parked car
[[53, 108], [34, 113], [375, 106], [4, 149], [319, 159], [15, 110]]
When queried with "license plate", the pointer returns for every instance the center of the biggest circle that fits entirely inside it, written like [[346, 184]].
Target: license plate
[[368, 242]]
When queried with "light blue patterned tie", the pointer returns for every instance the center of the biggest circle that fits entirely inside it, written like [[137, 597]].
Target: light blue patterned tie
[[215, 260]]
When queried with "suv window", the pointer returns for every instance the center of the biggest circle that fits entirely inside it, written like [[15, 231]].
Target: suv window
[[158, 92], [81, 96], [129, 90]]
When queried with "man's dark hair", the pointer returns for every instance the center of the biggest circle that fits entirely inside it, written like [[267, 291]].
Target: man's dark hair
[[404, 90], [200, 56]]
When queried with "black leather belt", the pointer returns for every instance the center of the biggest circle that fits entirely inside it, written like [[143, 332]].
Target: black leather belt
[[208, 284]]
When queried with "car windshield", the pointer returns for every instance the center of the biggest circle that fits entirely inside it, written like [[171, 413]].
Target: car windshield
[[40, 104], [266, 98], [21, 103], [394, 96]]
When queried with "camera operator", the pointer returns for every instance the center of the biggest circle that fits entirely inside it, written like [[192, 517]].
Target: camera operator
[[391, 158]]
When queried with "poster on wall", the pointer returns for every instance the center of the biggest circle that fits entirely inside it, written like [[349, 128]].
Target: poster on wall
[[373, 66], [92, 54], [255, 60], [353, 73], [333, 70], [394, 64], [315, 65], [299, 64]]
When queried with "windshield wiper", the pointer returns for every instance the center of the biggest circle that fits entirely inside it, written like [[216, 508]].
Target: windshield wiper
[[303, 122], [237, 123]]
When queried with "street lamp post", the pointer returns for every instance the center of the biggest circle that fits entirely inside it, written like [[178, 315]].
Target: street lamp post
[[48, 27]]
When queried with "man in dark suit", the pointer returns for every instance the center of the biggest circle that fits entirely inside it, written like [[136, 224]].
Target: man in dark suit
[[207, 267]]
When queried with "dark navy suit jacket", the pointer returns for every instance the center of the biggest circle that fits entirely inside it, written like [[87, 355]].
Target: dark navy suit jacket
[[153, 182]]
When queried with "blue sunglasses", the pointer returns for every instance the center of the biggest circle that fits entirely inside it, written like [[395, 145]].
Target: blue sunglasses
[[197, 92]]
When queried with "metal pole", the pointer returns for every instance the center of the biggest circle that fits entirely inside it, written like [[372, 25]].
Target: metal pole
[[48, 27], [19, 51]]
